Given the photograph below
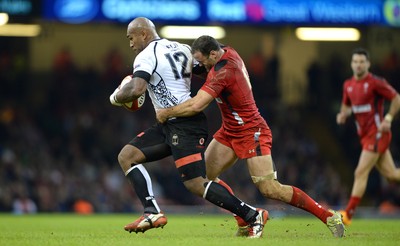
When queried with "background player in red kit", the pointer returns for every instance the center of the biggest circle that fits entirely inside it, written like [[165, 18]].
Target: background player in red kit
[[364, 95], [244, 133]]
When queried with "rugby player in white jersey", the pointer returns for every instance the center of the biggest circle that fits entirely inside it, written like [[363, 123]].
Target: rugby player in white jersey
[[164, 69]]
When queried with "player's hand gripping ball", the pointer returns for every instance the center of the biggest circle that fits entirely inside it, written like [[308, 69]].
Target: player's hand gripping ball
[[135, 104]]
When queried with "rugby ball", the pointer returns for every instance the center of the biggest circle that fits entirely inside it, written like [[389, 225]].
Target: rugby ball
[[135, 104]]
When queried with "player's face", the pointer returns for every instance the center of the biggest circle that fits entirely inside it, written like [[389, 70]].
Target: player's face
[[360, 65], [207, 61], [136, 40]]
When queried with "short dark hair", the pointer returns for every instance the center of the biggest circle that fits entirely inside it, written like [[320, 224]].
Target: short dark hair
[[361, 51], [205, 44]]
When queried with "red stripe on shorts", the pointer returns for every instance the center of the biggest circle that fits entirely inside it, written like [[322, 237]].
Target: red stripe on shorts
[[188, 159]]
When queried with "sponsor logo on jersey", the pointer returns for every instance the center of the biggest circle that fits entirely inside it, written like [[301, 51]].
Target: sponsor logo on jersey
[[201, 141], [361, 108]]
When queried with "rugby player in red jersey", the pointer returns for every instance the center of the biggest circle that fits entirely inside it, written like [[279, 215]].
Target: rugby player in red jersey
[[244, 133], [364, 95]]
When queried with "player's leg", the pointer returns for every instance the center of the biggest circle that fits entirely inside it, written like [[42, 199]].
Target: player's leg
[[220, 196], [252, 220], [220, 157], [138, 176], [263, 175], [242, 225], [387, 167], [192, 171], [187, 137], [254, 145], [367, 161], [146, 147], [191, 168], [216, 156], [373, 145]]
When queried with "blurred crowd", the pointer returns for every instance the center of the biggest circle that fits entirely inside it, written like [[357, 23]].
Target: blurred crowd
[[60, 137]]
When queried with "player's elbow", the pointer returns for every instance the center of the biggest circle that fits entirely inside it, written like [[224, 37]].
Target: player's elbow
[[136, 93]]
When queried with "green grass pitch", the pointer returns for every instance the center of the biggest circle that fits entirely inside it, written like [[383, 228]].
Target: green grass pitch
[[188, 230]]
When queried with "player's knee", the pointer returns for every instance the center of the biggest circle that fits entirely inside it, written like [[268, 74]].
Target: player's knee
[[393, 176], [266, 184], [270, 189], [123, 158], [195, 186], [128, 157]]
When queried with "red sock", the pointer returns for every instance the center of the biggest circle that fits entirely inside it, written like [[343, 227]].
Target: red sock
[[351, 206], [301, 200], [226, 186]]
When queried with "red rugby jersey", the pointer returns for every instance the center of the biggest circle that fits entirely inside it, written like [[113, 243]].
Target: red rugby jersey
[[366, 97], [228, 82]]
